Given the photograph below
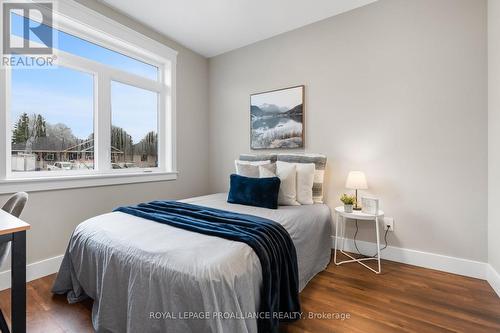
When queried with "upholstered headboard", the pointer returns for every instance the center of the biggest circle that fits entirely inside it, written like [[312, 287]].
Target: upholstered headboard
[[259, 157]]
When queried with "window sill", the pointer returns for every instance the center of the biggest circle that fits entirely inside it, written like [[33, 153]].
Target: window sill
[[80, 181]]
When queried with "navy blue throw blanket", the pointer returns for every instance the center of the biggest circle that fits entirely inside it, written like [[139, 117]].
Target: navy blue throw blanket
[[279, 299]]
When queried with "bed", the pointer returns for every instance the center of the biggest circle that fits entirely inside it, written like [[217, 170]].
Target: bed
[[145, 276]]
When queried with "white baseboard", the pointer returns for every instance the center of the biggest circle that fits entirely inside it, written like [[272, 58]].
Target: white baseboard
[[493, 278], [34, 271], [471, 268]]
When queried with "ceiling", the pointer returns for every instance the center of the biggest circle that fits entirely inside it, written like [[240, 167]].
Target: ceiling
[[212, 27]]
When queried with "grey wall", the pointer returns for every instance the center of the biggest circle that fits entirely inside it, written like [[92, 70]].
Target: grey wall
[[494, 133], [397, 89], [54, 214]]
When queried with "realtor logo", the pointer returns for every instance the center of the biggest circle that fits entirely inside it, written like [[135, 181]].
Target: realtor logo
[[36, 25], [28, 34]]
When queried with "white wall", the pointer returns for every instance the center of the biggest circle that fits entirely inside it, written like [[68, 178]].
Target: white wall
[[397, 89], [494, 134], [53, 215]]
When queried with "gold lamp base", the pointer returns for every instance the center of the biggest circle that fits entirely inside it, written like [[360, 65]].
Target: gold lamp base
[[356, 207]]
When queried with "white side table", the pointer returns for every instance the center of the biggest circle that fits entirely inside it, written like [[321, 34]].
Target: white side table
[[341, 217]]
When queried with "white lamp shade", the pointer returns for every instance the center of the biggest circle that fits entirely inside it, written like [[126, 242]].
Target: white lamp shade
[[356, 180]]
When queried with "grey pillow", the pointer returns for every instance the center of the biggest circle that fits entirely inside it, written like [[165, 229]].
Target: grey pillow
[[248, 170]]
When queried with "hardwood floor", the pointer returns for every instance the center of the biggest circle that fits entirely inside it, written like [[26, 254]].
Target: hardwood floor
[[402, 299]]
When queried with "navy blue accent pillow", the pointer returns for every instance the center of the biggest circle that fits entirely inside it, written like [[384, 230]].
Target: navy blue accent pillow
[[258, 192]]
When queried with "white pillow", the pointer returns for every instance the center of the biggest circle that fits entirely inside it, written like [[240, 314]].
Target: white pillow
[[287, 173], [244, 168], [305, 181], [320, 165], [267, 170]]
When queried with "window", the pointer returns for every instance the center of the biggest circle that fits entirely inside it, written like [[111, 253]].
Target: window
[[105, 111], [69, 43], [52, 113], [134, 127]]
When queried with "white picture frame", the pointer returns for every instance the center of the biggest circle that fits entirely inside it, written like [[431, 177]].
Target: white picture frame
[[370, 205]]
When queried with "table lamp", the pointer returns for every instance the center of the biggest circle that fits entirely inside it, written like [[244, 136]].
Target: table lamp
[[356, 180]]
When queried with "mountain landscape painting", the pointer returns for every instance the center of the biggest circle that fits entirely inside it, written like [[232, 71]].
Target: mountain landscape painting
[[277, 119]]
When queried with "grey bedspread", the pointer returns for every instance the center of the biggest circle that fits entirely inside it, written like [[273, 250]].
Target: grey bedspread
[[149, 277]]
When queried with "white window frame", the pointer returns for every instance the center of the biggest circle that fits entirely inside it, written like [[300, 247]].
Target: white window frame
[[89, 25]]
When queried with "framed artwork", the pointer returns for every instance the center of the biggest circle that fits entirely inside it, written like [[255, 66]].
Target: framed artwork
[[369, 205], [277, 119]]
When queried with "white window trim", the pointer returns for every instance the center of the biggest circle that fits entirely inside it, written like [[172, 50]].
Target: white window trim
[[85, 23]]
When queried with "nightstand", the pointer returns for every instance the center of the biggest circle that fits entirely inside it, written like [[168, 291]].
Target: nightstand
[[340, 222]]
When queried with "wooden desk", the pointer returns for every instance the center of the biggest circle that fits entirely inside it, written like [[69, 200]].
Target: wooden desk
[[13, 230]]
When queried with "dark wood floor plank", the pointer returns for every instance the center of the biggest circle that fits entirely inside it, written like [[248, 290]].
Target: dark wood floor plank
[[403, 298]]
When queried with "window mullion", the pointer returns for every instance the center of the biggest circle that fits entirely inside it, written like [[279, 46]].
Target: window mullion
[[103, 124], [169, 108], [163, 151]]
